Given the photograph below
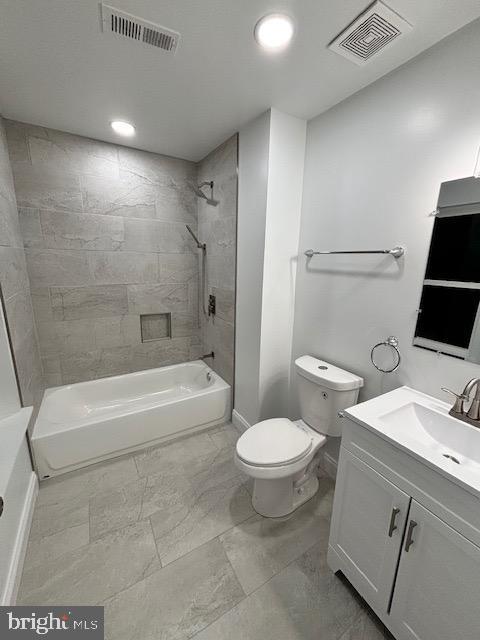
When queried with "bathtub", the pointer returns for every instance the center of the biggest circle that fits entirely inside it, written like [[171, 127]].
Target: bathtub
[[84, 423]]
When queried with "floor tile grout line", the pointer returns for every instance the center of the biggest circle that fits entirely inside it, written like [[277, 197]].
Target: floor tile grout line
[[246, 595], [282, 568], [163, 566], [155, 543], [89, 514], [260, 587], [88, 521], [217, 537], [57, 558], [134, 457], [131, 481], [197, 497], [168, 565], [48, 535], [228, 559]]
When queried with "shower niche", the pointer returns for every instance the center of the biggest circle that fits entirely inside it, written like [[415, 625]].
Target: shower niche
[[155, 326]]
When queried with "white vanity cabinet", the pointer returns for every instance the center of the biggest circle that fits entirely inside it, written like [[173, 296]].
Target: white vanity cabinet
[[407, 539], [436, 593], [367, 528]]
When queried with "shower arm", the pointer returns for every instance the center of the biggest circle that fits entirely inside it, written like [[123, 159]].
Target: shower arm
[[201, 246]]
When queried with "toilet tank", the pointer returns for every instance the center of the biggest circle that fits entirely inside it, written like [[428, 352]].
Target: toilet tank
[[324, 390]]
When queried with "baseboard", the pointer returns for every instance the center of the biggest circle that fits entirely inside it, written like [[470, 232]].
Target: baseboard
[[330, 466], [18, 558], [239, 421]]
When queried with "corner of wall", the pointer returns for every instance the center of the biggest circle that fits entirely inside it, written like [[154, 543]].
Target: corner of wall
[[272, 153], [15, 283], [282, 234]]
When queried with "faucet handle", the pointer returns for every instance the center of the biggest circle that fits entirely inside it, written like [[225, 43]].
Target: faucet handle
[[460, 399]]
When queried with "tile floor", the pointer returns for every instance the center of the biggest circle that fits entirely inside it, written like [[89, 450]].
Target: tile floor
[[168, 542]]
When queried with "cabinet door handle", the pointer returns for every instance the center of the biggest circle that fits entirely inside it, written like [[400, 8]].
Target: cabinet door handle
[[409, 541], [392, 526]]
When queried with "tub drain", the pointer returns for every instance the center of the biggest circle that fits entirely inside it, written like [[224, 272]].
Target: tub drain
[[452, 458]]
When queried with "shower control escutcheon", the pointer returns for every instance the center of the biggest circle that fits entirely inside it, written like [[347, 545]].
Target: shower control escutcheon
[[212, 305]]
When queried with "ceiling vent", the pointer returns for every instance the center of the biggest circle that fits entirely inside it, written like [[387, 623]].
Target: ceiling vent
[[118, 23], [370, 33]]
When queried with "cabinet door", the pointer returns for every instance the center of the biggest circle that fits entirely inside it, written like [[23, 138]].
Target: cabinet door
[[368, 522], [437, 592]]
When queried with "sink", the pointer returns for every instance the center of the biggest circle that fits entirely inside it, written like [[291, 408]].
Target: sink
[[440, 433], [422, 426]]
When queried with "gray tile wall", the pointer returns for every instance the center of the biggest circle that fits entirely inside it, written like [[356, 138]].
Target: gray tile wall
[[217, 227], [16, 287], [105, 241]]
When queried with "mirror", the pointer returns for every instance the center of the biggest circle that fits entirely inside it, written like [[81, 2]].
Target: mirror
[[448, 316]]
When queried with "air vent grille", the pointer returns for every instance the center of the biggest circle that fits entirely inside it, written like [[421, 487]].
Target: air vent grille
[[119, 23], [371, 32], [158, 39]]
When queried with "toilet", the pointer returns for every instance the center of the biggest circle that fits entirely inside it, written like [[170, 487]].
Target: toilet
[[281, 455]]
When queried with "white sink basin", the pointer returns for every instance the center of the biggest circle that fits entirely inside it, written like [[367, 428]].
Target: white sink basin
[[421, 426]]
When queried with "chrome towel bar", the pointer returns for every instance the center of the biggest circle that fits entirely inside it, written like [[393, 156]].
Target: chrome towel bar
[[396, 252]]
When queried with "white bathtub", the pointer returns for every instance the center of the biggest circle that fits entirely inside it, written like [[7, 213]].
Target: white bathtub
[[87, 422]]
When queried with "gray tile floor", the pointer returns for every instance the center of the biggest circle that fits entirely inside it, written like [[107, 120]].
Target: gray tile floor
[[168, 542]]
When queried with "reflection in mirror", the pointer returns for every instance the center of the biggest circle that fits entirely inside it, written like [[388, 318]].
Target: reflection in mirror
[[448, 317]]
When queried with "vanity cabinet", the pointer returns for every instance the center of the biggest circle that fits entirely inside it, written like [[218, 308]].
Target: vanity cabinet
[[367, 528], [436, 593], [389, 537]]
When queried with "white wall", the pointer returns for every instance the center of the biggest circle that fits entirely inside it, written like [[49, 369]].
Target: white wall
[[373, 169], [282, 230], [18, 482], [253, 150], [19, 494], [270, 181]]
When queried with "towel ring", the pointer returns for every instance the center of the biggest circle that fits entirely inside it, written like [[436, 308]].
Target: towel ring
[[391, 341]]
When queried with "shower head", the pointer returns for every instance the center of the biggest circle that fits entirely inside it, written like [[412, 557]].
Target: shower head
[[197, 188]]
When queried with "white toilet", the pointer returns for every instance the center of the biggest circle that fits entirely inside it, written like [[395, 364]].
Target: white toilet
[[280, 454]]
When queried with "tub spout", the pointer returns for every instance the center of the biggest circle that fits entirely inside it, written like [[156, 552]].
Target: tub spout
[[208, 355]]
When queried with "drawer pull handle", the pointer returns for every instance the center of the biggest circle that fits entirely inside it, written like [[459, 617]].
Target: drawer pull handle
[[409, 541], [393, 527]]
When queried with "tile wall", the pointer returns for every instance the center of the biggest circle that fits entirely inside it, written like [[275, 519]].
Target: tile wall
[[105, 241], [217, 227], [15, 285]]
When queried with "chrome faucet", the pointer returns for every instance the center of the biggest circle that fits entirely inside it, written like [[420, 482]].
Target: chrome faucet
[[472, 416], [207, 355]]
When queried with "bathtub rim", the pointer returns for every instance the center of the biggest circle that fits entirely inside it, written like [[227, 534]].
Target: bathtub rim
[[40, 438], [44, 427]]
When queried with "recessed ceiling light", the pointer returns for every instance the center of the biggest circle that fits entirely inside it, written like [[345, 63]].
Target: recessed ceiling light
[[274, 31], [123, 128]]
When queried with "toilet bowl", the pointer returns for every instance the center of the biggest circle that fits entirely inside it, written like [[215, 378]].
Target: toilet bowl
[[282, 455]]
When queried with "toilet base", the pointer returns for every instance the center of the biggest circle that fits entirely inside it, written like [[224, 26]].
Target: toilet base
[[279, 497]]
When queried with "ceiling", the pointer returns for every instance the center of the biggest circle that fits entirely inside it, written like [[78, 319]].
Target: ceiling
[[58, 70]]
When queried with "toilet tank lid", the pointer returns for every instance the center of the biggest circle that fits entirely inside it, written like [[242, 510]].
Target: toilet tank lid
[[327, 375]]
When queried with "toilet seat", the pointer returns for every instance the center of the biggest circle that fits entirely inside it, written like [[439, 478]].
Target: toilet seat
[[273, 443]]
